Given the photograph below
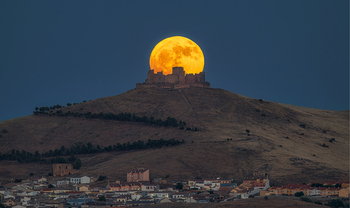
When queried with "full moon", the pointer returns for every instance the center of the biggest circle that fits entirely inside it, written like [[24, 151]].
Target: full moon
[[177, 51]]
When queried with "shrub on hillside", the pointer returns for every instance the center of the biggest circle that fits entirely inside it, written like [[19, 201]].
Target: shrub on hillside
[[299, 194], [305, 199]]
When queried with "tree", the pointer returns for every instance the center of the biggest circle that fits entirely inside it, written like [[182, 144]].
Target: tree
[[31, 174], [335, 203], [179, 186], [77, 164], [247, 131], [101, 178], [50, 186], [102, 198], [299, 194]]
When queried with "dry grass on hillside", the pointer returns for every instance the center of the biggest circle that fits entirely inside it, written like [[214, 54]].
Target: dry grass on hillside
[[277, 143]]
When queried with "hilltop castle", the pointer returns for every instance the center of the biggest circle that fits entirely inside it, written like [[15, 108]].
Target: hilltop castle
[[178, 79]]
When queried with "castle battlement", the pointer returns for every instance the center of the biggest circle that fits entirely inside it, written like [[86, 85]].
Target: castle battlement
[[178, 79]]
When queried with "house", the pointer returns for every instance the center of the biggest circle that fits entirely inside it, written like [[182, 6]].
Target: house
[[190, 200], [124, 186], [179, 195], [85, 179], [79, 201], [344, 192], [42, 180], [165, 201], [75, 180], [63, 182], [10, 202], [139, 174], [149, 187], [84, 188], [158, 194]]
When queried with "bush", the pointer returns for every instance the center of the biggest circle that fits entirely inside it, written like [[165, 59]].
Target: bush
[[305, 199], [302, 125], [299, 194], [179, 186], [4, 131], [335, 203], [101, 178], [324, 145], [77, 164], [331, 140], [318, 202]]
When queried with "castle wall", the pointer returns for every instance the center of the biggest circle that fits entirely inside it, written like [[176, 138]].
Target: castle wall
[[172, 78], [178, 79], [159, 77], [190, 78]]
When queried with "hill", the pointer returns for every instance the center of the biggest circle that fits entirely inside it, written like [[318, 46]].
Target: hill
[[290, 143]]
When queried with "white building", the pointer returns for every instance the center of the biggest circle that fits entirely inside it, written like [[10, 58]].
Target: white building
[[75, 180], [85, 179]]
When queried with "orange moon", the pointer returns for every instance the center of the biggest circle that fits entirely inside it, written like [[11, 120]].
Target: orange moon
[[177, 51]]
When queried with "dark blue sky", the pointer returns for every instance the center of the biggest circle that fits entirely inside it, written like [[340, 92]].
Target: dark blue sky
[[290, 51]]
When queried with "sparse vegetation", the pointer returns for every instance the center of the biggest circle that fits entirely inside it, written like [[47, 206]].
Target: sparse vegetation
[[111, 116], [335, 203], [331, 140], [80, 148]]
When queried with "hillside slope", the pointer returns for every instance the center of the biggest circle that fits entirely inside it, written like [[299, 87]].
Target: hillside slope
[[284, 141]]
